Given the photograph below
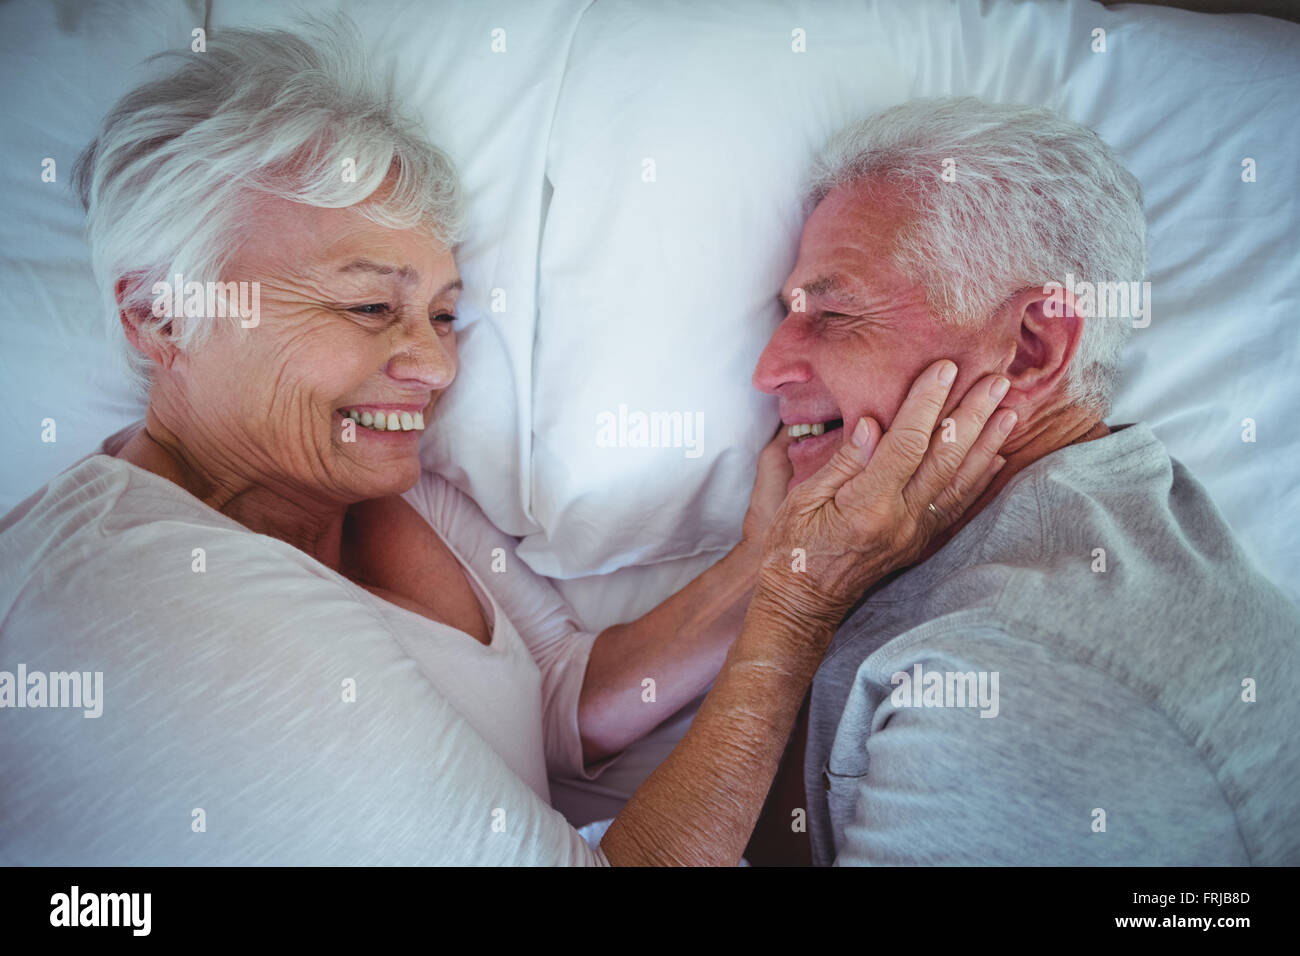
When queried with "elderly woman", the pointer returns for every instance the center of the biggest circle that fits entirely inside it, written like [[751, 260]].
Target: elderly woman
[[300, 666]]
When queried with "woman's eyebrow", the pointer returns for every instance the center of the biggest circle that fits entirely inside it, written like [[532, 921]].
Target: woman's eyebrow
[[405, 273]]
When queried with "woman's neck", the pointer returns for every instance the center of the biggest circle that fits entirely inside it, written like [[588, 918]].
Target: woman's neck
[[314, 527]]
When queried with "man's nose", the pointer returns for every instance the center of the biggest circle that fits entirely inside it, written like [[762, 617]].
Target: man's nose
[[783, 360], [422, 356]]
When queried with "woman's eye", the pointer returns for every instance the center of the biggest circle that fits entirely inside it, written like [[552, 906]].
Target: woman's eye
[[443, 317], [373, 308]]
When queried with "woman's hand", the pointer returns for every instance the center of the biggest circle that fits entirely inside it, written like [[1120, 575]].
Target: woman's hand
[[774, 471], [862, 515], [867, 511]]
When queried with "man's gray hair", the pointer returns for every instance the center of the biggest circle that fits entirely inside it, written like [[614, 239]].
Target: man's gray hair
[[180, 160], [1035, 197]]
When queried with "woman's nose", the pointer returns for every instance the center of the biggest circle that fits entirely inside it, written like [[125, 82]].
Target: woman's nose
[[784, 358], [425, 356]]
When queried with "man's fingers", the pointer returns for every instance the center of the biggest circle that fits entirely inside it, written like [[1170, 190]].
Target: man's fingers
[[903, 447], [961, 437]]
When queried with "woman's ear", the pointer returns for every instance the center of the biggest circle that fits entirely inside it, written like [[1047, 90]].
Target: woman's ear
[[1047, 336], [145, 320]]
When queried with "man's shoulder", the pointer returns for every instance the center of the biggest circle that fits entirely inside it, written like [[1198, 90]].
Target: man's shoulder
[[1135, 556], [1111, 540], [1123, 602]]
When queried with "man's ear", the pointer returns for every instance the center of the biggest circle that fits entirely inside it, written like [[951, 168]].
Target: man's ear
[[1047, 331], [145, 320]]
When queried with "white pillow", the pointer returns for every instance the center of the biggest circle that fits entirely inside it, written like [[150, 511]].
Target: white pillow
[[489, 110], [658, 296]]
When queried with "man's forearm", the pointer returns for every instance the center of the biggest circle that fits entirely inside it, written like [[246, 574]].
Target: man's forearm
[[680, 645]]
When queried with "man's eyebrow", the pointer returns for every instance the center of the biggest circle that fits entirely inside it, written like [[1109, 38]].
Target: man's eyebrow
[[832, 285]]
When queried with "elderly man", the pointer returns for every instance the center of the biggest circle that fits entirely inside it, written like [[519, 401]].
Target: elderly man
[[1084, 669]]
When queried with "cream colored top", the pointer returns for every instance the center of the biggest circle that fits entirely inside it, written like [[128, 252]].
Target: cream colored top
[[259, 708]]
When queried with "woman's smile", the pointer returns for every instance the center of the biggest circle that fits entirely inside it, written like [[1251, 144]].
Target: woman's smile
[[386, 417]]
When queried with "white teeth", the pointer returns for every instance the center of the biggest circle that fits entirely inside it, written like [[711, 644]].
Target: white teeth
[[386, 421], [805, 429]]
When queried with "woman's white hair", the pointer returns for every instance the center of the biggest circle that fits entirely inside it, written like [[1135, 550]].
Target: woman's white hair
[[1035, 198], [179, 161]]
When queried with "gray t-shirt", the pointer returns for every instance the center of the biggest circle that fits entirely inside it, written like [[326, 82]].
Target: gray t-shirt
[[1095, 674]]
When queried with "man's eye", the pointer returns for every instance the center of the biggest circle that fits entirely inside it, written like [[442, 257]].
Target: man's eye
[[837, 320]]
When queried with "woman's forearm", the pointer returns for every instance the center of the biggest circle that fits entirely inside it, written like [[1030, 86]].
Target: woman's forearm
[[700, 806], [679, 645]]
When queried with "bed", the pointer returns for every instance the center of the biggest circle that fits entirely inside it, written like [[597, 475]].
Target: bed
[[634, 171]]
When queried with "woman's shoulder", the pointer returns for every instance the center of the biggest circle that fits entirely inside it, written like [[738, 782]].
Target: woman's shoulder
[[529, 600], [109, 527], [105, 497], [448, 510], [84, 495]]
